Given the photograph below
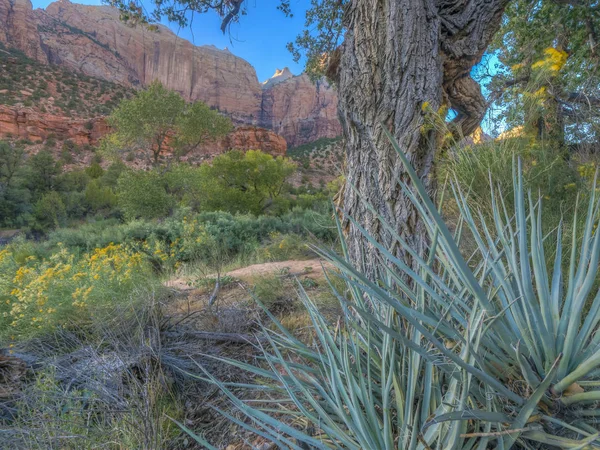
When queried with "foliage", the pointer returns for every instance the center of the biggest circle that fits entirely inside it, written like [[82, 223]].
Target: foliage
[[38, 295], [550, 70], [43, 173], [50, 211], [197, 124], [546, 172], [37, 195], [143, 195], [94, 171], [245, 182], [147, 119], [100, 197], [322, 35], [157, 118], [13, 197], [446, 354], [285, 247]]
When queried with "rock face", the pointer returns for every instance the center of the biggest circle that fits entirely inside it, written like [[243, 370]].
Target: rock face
[[93, 40], [252, 138], [18, 28], [27, 123], [300, 110]]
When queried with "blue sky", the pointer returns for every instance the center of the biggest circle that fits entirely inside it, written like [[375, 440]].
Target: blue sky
[[260, 37]]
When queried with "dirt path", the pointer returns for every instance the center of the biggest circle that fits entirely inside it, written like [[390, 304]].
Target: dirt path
[[312, 268]]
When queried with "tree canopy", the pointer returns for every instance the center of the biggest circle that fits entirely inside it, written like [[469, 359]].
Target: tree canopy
[[159, 119], [549, 80]]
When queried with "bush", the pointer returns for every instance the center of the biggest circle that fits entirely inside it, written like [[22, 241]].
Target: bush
[[99, 197], [94, 171], [285, 247], [39, 295], [546, 172], [50, 211], [143, 195]]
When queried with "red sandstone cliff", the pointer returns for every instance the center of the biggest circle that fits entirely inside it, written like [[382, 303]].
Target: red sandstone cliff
[[93, 40], [26, 123], [299, 109], [18, 28]]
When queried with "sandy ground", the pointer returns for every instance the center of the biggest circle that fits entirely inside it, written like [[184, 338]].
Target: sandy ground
[[312, 268]]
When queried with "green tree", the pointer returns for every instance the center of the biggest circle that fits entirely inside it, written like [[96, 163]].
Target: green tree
[[143, 195], [244, 182], [11, 161], [549, 80], [197, 124], [99, 197], [14, 196], [50, 211], [43, 172], [157, 119], [147, 119]]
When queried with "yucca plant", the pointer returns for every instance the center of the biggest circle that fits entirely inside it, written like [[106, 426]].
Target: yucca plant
[[495, 351]]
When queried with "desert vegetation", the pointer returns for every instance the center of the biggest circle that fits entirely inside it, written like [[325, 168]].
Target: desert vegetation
[[51, 89], [442, 294]]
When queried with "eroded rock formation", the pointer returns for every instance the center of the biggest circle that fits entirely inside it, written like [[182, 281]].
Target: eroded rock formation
[[93, 40], [300, 110], [18, 28], [26, 123]]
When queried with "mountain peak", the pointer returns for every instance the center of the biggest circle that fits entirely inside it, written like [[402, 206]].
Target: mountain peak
[[279, 76]]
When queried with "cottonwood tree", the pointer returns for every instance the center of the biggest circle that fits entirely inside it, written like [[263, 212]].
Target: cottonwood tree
[[244, 182], [395, 62], [158, 119]]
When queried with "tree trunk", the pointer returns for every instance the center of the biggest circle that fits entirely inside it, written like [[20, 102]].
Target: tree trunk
[[400, 59]]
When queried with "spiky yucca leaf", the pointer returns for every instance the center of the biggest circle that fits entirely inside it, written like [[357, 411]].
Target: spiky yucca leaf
[[494, 352]]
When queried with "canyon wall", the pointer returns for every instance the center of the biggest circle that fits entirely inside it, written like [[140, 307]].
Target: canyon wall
[[92, 40], [18, 28], [26, 123]]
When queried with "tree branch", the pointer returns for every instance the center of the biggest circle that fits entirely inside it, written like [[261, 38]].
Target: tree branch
[[237, 4]]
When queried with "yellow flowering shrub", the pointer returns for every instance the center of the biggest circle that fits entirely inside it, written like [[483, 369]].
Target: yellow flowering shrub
[[285, 246], [42, 294], [553, 61], [587, 171], [191, 244]]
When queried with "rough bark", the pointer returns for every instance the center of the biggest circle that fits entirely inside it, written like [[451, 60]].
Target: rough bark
[[396, 56]]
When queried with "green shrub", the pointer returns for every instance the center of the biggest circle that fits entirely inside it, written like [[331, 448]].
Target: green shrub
[[100, 197], [94, 171], [143, 195], [284, 247], [50, 211]]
